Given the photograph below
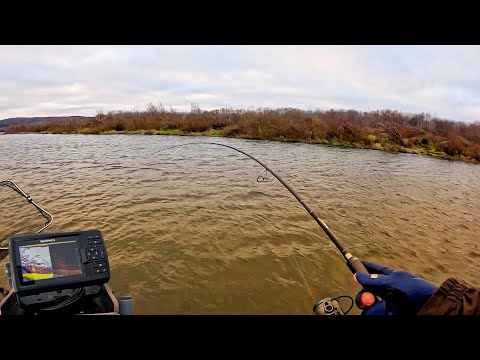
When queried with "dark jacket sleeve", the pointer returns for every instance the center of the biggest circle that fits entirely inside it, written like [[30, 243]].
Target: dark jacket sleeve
[[453, 297]]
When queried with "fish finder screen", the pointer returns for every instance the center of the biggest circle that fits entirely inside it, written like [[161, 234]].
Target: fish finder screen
[[50, 259]]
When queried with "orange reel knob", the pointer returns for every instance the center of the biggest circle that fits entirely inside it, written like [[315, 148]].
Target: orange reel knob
[[367, 299]]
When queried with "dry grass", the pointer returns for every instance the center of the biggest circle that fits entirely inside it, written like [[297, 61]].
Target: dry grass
[[383, 129]]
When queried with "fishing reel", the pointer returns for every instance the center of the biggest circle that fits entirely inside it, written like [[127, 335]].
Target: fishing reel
[[331, 306]]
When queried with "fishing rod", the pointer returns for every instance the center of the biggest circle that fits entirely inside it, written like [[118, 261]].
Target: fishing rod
[[354, 264], [48, 217], [29, 199]]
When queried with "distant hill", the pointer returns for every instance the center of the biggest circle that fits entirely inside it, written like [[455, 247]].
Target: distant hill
[[6, 123]]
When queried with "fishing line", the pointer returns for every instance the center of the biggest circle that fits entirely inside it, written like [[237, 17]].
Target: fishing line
[[301, 272], [299, 268], [354, 264], [262, 177]]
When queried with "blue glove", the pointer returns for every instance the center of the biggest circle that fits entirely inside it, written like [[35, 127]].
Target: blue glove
[[402, 293]]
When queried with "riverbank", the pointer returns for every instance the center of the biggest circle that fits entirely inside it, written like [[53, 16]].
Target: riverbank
[[384, 130], [387, 147]]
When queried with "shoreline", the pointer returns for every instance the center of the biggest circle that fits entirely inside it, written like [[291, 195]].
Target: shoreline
[[386, 147]]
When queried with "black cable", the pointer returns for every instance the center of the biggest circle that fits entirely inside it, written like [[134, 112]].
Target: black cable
[[79, 292], [349, 297]]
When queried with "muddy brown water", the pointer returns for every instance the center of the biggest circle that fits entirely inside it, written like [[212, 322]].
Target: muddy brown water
[[191, 231]]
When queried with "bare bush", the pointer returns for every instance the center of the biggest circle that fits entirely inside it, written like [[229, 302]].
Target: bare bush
[[335, 126]]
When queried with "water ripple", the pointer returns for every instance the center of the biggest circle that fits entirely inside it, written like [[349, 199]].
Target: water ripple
[[190, 230]]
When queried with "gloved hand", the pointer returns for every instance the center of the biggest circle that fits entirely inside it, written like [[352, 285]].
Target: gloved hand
[[402, 293]]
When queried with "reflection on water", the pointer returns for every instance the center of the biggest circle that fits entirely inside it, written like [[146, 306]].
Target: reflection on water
[[191, 231]]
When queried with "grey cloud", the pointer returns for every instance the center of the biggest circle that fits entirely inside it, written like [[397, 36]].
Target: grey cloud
[[78, 80]]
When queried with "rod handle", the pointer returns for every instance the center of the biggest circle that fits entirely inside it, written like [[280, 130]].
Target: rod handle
[[365, 298], [355, 265]]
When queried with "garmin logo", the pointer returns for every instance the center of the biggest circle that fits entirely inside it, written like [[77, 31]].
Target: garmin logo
[[46, 241]]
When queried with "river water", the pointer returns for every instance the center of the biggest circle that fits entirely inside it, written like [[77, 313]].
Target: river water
[[191, 231]]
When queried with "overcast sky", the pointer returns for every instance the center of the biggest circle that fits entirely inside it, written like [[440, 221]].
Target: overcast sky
[[81, 80]]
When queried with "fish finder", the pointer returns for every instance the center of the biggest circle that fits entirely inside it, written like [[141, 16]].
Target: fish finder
[[47, 262]]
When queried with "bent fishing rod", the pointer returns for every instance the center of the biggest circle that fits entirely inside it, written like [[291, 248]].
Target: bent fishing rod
[[354, 264]]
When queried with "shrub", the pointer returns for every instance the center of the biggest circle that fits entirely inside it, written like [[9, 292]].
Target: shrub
[[372, 138], [382, 129]]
